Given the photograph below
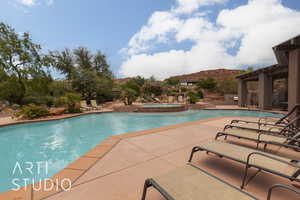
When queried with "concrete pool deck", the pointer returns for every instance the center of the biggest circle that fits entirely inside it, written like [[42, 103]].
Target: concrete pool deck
[[117, 168]]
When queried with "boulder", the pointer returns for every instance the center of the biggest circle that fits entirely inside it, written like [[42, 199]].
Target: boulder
[[57, 111]]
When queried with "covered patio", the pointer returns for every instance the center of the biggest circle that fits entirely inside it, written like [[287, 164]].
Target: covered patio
[[287, 71]]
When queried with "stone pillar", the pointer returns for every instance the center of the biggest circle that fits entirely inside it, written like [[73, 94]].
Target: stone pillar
[[265, 91], [294, 79], [242, 93]]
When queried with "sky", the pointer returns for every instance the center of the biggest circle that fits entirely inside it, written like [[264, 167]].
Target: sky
[[160, 38]]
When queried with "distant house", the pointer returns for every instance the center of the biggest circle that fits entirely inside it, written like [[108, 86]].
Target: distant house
[[218, 74], [188, 82]]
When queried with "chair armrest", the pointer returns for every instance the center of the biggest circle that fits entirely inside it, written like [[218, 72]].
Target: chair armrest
[[285, 186]]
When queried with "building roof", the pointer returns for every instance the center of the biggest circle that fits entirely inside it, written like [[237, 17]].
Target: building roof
[[281, 51], [273, 69]]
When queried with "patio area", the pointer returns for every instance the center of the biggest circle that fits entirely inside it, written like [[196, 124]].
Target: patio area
[[120, 173]]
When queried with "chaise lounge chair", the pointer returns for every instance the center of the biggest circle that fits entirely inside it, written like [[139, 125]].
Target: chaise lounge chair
[[265, 123], [84, 106], [95, 105], [252, 158], [288, 130], [262, 138], [192, 183]]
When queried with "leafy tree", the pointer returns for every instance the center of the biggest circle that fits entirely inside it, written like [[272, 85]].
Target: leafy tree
[[193, 97], [153, 88], [88, 73], [128, 96], [228, 86], [139, 80], [63, 61], [172, 81], [207, 83], [20, 58], [134, 85]]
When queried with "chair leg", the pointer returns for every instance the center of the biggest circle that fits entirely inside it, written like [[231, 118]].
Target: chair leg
[[245, 177], [146, 185], [195, 149]]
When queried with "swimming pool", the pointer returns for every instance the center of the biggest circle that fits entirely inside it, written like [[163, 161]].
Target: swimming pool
[[62, 141]]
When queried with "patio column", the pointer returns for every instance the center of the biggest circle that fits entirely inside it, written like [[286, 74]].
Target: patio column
[[265, 91], [294, 78], [242, 93]]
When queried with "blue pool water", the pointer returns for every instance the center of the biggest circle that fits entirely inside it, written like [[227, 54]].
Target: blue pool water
[[161, 105], [63, 141]]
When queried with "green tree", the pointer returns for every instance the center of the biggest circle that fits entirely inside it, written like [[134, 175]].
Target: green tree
[[207, 83], [20, 58], [228, 86], [153, 88], [172, 81], [88, 73], [128, 96], [193, 97]]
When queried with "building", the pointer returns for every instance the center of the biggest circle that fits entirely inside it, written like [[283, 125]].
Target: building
[[287, 69]]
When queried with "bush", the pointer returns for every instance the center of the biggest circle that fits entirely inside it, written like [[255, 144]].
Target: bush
[[70, 101], [193, 97], [33, 112], [128, 96], [200, 94], [38, 100], [207, 83]]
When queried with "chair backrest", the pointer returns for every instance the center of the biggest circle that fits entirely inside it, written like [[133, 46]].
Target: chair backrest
[[94, 103], [83, 104]]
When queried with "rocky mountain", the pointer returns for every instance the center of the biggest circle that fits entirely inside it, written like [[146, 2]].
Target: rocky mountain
[[218, 74]]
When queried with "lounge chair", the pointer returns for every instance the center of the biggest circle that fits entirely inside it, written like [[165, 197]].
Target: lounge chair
[[262, 138], [95, 105], [266, 123], [192, 183], [287, 130], [252, 158], [84, 106]]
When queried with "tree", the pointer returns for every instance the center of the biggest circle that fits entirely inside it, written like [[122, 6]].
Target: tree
[[228, 86], [20, 59], [207, 83], [63, 61], [88, 73], [193, 97], [128, 96], [172, 81], [153, 88]]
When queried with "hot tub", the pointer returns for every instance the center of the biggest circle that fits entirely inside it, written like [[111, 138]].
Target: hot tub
[[162, 108]]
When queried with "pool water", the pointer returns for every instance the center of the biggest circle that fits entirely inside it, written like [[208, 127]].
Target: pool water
[[62, 141], [161, 105]]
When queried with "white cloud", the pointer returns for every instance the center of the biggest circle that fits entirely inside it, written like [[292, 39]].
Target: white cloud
[[188, 6], [27, 2], [31, 3], [252, 29]]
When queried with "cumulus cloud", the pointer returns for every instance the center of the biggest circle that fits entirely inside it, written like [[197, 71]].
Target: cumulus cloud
[[188, 6], [241, 36], [31, 3], [28, 2]]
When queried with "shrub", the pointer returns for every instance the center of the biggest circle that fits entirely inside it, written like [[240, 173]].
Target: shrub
[[193, 98], [200, 94], [128, 96], [207, 83], [38, 100], [33, 112], [70, 101]]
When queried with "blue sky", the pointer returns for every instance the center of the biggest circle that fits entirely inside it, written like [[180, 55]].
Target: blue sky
[[110, 25]]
